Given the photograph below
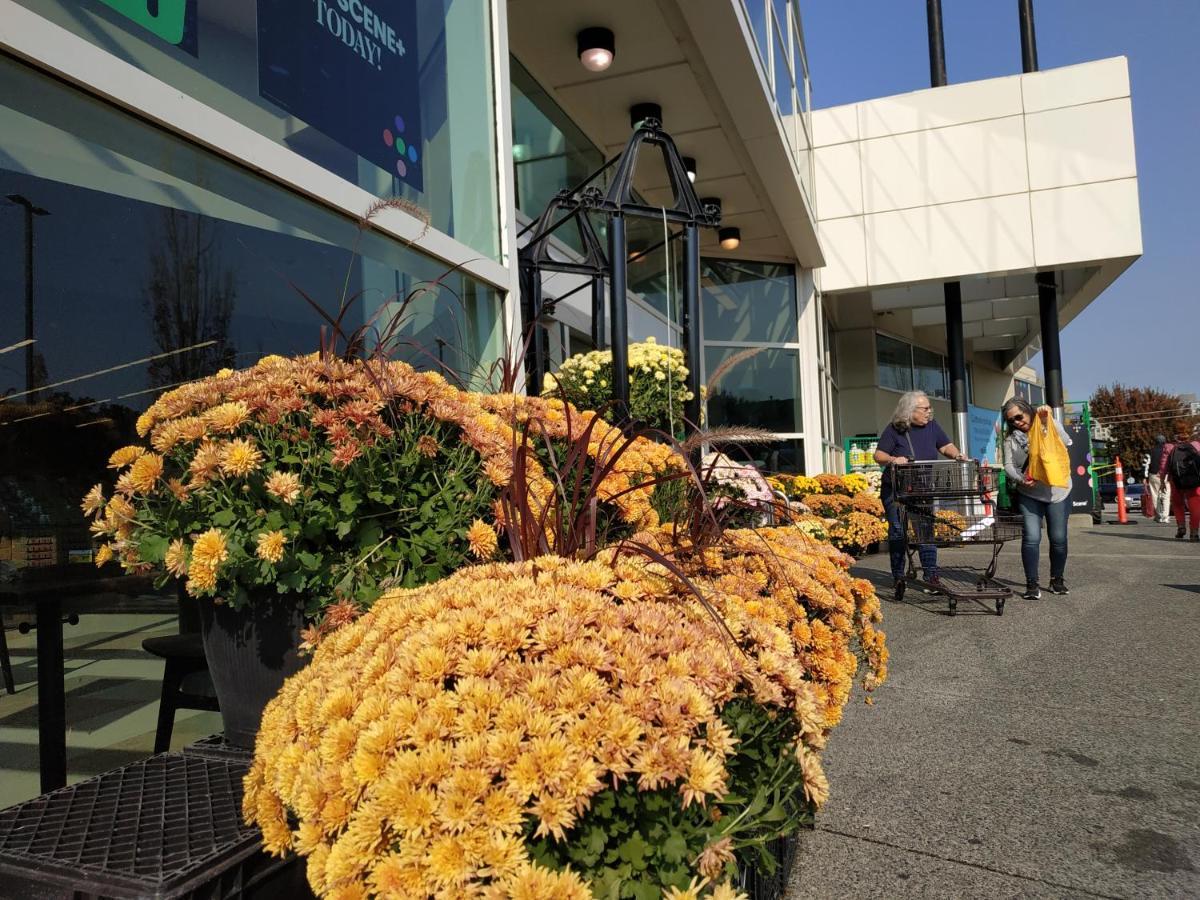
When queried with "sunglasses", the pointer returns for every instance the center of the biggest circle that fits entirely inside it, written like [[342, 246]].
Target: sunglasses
[[1017, 419]]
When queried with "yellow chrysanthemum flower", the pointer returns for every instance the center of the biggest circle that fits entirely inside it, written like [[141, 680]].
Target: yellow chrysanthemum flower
[[270, 546], [283, 486], [240, 457], [93, 501], [210, 549], [227, 417], [126, 455], [482, 540], [104, 554], [145, 472], [176, 561]]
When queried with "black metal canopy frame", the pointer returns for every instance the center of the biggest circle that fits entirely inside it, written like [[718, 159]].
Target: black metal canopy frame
[[572, 208]]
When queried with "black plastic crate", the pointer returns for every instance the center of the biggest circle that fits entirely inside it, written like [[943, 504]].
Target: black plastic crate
[[163, 828]]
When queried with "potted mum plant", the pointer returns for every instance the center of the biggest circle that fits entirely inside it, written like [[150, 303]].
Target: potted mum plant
[[287, 497]]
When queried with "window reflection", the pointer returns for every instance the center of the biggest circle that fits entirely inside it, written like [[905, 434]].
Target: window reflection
[[754, 386], [550, 153], [744, 301], [894, 363], [454, 103], [157, 264]]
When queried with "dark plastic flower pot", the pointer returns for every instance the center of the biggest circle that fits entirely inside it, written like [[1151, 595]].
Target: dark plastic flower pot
[[250, 651]]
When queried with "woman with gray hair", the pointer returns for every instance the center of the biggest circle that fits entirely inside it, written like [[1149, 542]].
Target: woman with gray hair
[[911, 436], [1035, 499]]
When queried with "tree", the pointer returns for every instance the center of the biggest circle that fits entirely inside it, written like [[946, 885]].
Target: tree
[[190, 298], [1134, 415]]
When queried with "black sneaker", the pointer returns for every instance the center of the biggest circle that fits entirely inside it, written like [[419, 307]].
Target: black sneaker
[[1179, 533], [1195, 538], [1032, 591], [1058, 586]]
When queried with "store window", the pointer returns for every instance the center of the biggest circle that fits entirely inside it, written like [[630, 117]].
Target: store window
[[550, 153], [154, 263], [754, 386], [367, 92], [893, 362], [929, 373], [750, 302], [1033, 394]]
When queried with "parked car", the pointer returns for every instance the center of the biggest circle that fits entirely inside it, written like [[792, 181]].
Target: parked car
[[1133, 494]]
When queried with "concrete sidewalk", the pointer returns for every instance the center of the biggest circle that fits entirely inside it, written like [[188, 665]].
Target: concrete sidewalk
[[1051, 752]]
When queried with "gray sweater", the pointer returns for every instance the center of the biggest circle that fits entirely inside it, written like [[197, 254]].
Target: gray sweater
[[1016, 455]]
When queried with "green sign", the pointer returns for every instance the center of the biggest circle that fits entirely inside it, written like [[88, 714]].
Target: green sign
[[168, 23]]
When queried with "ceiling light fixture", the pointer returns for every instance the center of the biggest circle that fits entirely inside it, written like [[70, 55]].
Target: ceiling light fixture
[[639, 112], [730, 238], [596, 48], [689, 166]]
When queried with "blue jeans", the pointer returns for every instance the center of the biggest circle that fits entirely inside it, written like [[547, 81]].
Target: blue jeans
[[898, 544], [1055, 514]]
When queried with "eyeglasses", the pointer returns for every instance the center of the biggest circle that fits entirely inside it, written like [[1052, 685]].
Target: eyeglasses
[[925, 408]]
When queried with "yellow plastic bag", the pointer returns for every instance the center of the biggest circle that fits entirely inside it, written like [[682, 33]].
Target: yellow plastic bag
[[1048, 460]]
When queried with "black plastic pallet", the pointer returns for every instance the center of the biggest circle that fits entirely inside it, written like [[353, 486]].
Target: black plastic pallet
[[162, 828], [215, 747]]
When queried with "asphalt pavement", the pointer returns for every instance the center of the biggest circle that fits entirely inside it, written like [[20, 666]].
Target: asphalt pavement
[[1050, 752]]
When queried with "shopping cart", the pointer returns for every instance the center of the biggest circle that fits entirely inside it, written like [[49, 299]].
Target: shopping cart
[[952, 504]]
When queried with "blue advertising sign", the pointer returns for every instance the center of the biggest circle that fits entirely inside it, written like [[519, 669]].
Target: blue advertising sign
[[983, 433], [349, 69]]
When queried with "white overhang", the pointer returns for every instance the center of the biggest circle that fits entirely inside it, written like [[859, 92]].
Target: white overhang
[[697, 60], [985, 183]]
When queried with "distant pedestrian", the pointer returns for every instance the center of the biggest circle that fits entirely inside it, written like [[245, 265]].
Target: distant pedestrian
[[1035, 499], [1160, 490], [1181, 467]]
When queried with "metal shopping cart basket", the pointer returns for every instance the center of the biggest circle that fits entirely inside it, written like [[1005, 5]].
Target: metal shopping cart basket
[[945, 503]]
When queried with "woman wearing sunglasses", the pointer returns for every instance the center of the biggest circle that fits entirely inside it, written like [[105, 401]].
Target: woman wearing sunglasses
[[911, 436], [1035, 499]]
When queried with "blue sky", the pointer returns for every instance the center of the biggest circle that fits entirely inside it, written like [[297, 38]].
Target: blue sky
[[1150, 317]]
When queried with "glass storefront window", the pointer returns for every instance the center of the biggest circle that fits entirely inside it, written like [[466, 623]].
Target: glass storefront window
[[369, 94], [929, 373], [550, 153], [156, 263], [893, 361], [760, 387], [747, 301]]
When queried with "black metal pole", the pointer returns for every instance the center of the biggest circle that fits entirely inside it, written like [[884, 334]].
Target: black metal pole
[[535, 358], [1029, 60], [691, 323], [1051, 349], [937, 43], [598, 335], [29, 398], [617, 315], [956, 362]]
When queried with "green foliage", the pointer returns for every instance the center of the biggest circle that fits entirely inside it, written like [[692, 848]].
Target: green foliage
[[633, 844], [395, 516]]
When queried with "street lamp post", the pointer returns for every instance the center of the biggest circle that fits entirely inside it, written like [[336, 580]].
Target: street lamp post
[[31, 210]]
